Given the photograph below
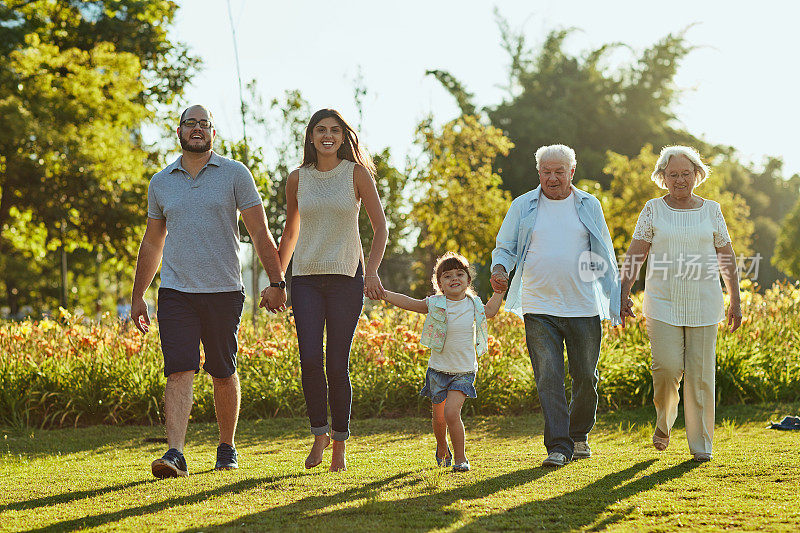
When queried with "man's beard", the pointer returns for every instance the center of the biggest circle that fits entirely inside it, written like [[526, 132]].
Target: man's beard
[[196, 149]]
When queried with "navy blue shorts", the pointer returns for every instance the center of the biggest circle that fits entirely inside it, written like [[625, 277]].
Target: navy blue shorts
[[187, 319]]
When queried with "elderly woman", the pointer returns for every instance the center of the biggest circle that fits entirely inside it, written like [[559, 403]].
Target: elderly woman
[[686, 242]]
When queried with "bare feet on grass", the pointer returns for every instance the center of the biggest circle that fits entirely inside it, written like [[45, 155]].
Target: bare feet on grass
[[338, 462], [315, 455]]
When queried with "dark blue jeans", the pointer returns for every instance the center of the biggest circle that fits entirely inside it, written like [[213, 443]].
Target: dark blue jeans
[[329, 303], [546, 336]]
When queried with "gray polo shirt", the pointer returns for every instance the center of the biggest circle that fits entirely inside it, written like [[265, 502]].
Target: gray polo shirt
[[201, 252]]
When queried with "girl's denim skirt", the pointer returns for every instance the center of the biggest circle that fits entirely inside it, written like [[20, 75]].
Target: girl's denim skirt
[[438, 383]]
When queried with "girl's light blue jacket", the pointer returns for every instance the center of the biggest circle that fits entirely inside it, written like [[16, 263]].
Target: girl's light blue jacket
[[514, 238], [434, 331]]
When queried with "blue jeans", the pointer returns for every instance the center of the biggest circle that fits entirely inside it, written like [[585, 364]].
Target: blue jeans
[[331, 303], [546, 336]]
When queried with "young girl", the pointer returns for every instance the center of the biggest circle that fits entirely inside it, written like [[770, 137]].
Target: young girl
[[455, 331]]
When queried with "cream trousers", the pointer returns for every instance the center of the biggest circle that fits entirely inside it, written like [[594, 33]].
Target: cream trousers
[[688, 353]]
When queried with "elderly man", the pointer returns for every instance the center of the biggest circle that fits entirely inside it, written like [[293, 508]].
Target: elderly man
[[193, 210], [566, 281]]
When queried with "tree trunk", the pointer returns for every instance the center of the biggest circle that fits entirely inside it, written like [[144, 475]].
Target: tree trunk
[[63, 266]]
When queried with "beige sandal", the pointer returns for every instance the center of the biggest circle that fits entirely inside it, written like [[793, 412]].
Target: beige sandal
[[660, 443]]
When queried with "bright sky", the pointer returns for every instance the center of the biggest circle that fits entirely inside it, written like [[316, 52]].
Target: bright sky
[[741, 83]]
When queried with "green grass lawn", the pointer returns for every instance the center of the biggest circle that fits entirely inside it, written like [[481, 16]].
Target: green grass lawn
[[99, 478]]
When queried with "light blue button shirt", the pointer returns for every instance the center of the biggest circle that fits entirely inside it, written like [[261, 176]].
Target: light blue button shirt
[[599, 266]]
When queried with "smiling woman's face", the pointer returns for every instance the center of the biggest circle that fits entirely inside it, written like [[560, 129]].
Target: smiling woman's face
[[327, 136], [680, 177]]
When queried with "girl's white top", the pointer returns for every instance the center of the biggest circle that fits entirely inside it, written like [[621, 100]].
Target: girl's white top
[[682, 284], [458, 353], [328, 240]]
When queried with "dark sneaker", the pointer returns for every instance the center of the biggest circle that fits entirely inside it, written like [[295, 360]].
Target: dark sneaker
[[555, 459], [227, 458], [172, 464]]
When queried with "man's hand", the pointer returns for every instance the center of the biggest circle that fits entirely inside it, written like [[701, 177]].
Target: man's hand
[[139, 314], [273, 299], [499, 279]]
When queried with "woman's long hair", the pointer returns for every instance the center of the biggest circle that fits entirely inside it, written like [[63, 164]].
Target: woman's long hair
[[349, 149]]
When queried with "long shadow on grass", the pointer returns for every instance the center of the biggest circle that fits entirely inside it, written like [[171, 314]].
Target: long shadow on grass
[[426, 511], [69, 497], [583, 506], [189, 499]]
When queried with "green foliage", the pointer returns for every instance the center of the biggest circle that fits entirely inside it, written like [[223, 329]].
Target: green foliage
[[77, 81], [770, 197], [631, 187], [65, 373], [555, 97], [456, 89], [787, 250], [461, 205], [73, 177], [138, 27], [393, 188]]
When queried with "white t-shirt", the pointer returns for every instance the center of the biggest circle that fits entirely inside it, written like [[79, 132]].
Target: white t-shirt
[[458, 353], [551, 283]]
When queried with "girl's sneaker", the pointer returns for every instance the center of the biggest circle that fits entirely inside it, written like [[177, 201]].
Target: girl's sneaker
[[461, 467], [444, 461]]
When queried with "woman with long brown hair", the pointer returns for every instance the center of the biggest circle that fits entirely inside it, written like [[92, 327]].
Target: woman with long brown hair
[[329, 277]]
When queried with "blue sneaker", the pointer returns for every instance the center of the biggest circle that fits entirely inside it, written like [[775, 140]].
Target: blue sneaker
[[172, 464], [444, 461], [227, 458], [461, 467]]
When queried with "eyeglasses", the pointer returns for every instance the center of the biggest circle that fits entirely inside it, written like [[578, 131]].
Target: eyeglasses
[[192, 122]]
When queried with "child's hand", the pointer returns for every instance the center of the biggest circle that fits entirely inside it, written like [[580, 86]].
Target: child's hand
[[373, 289]]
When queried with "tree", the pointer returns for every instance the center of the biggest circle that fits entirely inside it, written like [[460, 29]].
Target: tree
[[770, 197], [138, 27], [77, 80], [787, 249], [460, 204], [70, 160], [554, 97]]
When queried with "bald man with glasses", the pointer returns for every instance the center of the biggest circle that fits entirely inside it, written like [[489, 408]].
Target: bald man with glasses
[[193, 208]]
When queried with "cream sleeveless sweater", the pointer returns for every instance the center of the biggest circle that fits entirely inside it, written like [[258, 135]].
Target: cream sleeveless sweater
[[328, 241]]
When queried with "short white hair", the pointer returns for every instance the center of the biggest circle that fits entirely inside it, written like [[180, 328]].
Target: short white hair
[[700, 168], [556, 152]]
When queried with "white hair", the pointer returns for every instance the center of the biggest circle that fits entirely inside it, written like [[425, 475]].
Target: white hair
[[700, 168], [556, 152]]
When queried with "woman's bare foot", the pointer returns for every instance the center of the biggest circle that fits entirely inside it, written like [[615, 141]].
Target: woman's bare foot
[[315, 455], [338, 462]]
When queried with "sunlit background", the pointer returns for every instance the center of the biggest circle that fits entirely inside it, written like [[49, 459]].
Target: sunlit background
[[432, 87]]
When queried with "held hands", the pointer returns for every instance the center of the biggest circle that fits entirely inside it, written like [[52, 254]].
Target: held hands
[[273, 299], [373, 289], [499, 280], [139, 314], [626, 307]]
